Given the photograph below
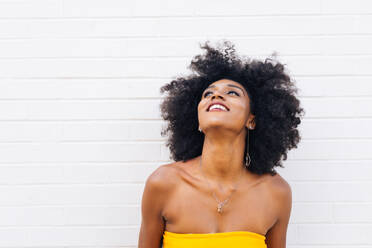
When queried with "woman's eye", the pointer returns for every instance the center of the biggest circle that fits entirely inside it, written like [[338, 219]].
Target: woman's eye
[[234, 92], [206, 93]]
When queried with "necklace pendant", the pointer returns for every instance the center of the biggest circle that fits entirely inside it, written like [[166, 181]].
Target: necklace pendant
[[219, 208]]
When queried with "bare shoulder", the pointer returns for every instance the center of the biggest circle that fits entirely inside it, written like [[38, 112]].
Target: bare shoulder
[[163, 178], [280, 192], [280, 189], [158, 186], [279, 185]]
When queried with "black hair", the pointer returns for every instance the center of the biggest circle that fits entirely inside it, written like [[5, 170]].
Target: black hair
[[273, 102]]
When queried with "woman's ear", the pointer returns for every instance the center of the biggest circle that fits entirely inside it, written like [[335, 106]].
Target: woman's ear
[[251, 124]]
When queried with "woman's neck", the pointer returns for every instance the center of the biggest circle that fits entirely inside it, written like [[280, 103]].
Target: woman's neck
[[222, 158]]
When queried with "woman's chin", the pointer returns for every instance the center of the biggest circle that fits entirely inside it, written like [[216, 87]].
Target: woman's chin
[[220, 127]]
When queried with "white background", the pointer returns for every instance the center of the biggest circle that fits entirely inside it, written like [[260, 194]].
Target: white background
[[80, 124]]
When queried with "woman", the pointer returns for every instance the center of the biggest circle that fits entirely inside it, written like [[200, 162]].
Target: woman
[[230, 124]]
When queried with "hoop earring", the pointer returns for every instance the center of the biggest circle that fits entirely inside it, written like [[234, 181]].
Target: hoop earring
[[247, 157]]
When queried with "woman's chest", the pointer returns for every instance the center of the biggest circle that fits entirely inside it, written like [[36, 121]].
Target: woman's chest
[[189, 209]]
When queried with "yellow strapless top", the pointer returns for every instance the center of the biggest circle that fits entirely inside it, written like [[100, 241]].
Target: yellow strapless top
[[236, 239]]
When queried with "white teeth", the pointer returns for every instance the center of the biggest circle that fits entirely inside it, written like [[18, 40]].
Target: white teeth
[[217, 106]]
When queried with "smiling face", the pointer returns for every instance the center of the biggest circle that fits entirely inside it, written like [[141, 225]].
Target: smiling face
[[233, 111]]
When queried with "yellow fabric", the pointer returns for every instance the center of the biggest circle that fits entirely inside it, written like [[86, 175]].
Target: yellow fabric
[[237, 239]]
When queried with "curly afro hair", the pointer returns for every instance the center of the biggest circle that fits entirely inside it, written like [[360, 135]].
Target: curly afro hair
[[273, 102]]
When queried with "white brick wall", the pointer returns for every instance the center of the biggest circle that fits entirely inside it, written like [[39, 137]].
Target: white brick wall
[[80, 124]]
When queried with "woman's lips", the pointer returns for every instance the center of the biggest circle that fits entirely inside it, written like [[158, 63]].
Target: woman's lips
[[217, 110]]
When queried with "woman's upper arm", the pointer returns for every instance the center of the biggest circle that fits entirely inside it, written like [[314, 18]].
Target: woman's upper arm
[[153, 198], [276, 236]]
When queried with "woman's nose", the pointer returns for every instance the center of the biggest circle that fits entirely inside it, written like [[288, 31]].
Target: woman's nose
[[217, 95]]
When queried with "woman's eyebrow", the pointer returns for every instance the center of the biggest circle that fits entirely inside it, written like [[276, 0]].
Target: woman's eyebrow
[[231, 85]]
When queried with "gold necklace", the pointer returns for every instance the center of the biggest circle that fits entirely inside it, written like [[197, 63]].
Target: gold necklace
[[220, 204]]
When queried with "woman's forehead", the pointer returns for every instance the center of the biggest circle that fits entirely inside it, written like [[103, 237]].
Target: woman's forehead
[[229, 83], [225, 81]]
